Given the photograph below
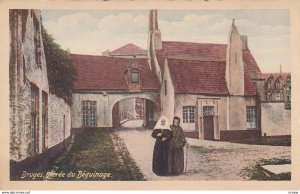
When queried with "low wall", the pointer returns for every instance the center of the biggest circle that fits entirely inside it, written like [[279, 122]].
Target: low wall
[[275, 119], [230, 135]]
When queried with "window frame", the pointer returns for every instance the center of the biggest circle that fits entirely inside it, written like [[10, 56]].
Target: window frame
[[251, 117], [278, 96], [44, 119], [133, 72], [89, 113], [34, 118], [188, 114]]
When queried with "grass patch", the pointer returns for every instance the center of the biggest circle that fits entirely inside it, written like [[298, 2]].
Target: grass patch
[[272, 141], [257, 172], [95, 156]]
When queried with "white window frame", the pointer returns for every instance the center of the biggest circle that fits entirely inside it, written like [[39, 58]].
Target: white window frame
[[251, 117], [89, 113], [188, 114]]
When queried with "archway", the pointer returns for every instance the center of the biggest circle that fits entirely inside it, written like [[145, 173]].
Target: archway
[[134, 112]]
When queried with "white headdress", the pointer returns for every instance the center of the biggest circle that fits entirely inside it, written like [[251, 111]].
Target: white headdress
[[162, 125]]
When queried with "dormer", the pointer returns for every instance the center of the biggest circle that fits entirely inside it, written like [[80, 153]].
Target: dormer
[[133, 75]]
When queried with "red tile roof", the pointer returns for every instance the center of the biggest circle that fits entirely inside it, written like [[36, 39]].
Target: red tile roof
[[207, 52], [202, 77], [107, 73], [191, 50], [129, 49], [198, 77], [251, 65]]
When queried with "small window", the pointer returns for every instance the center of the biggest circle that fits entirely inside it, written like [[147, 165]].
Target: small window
[[251, 117], [288, 95], [278, 96], [188, 114], [135, 75], [269, 96], [288, 85], [208, 111], [277, 85]]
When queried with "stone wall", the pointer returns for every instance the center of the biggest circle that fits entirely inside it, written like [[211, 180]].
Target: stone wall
[[275, 119], [25, 31], [28, 70], [59, 120]]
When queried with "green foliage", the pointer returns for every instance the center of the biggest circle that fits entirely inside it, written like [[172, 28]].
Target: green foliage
[[257, 172], [94, 151], [60, 69]]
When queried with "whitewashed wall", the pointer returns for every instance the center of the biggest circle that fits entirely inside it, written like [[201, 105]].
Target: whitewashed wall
[[275, 119]]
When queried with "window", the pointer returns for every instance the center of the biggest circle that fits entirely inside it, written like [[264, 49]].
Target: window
[[288, 95], [277, 85], [165, 87], [208, 111], [278, 96], [135, 75], [188, 114], [288, 102], [34, 107], [88, 113], [251, 116], [44, 118], [288, 85], [269, 96]]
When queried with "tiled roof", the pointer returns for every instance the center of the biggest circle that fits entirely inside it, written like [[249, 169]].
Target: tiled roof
[[198, 77], [202, 77], [129, 49], [251, 65], [205, 52], [107, 73]]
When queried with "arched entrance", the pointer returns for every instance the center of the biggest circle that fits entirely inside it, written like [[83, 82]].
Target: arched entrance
[[134, 112]]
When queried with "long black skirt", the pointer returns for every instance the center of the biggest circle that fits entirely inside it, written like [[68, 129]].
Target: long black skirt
[[177, 160], [161, 158]]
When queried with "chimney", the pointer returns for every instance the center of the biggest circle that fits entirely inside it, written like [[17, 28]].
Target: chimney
[[244, 40], [234, 62], [280, 71]]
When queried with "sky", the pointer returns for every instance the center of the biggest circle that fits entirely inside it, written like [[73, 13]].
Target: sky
[[94, 31]]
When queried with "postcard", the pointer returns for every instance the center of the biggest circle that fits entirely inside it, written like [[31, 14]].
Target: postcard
[[150, 95]]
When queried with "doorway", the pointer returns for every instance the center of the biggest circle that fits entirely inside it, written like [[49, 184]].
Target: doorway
[[208, 127]]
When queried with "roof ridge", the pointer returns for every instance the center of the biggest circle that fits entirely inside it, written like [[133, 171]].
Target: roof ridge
[[195, 60], [194, 42]]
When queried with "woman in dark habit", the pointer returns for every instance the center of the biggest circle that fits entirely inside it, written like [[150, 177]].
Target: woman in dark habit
[[161, 153], [176, 145]]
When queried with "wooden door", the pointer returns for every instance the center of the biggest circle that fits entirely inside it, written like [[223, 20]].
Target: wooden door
[[116, 115], [208, 127]]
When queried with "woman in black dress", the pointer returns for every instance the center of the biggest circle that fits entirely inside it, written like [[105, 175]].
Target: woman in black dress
[[161, 153], [176, 145]]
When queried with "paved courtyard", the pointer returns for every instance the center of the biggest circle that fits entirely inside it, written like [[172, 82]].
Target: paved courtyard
[[207, 160]]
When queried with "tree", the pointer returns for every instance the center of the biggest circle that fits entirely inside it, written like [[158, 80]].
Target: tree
[[60, 69]]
